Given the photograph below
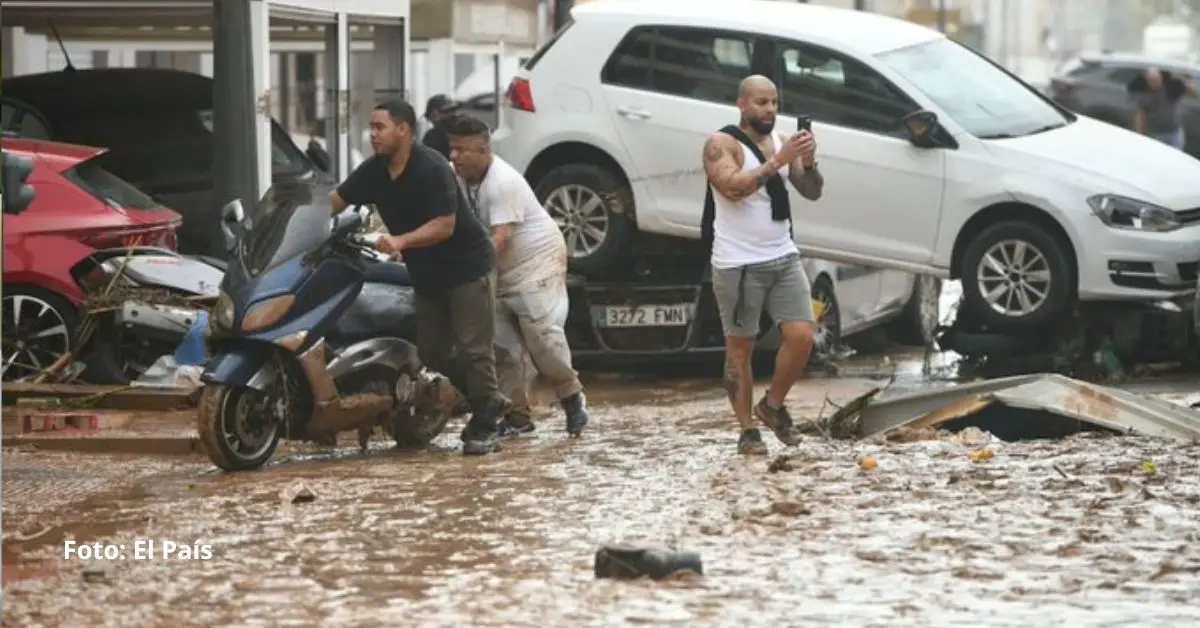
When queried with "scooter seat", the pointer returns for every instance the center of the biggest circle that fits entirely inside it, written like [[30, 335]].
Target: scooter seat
[[391, 273], [215, 262]]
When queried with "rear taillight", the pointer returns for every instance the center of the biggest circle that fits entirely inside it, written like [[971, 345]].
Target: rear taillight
[[520, 95], [158, 236]]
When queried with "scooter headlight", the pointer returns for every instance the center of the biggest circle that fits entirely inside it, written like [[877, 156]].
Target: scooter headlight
[[267, 312], [223, 312]]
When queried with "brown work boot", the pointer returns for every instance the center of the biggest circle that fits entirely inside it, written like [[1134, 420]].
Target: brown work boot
[[751, 443], [777, 420]]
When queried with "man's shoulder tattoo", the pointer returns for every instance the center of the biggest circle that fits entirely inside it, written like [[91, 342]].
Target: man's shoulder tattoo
[[713, 150]]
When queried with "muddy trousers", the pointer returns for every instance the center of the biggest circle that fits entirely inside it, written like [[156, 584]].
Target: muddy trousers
[[456, 329], [530, 340]]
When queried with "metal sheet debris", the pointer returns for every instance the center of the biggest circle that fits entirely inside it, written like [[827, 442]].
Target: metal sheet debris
[[1040, 405]]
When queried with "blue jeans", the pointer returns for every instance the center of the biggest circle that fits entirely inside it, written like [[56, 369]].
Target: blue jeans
[[1170, 138]]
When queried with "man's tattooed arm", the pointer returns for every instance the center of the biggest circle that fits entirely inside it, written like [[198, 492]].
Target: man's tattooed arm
[[723, 165], [809, 183]]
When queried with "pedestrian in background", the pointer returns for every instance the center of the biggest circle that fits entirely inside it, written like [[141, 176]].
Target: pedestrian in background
[[531, 287], [449, 257], [755, 263], [1158, 112], [436, 110]]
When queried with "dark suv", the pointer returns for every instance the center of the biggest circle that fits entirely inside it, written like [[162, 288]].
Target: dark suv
[[1097, 86], [157, 127]]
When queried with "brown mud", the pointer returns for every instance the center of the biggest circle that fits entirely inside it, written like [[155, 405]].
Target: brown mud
[[1086, 530]]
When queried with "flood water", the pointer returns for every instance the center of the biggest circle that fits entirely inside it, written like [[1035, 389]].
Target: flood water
[[1081, 531]]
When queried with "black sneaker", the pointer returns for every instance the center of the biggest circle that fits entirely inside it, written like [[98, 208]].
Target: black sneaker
[[480, 438], [777, 420], [577, 416], [751, 443]]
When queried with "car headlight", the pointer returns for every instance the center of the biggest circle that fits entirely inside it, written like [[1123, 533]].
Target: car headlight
[[1121, 212], [223, 311]]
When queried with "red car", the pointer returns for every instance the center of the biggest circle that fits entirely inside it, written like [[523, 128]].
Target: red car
[[78, 207]]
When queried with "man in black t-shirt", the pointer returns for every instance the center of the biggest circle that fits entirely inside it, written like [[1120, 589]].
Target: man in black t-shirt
[[449, 255]]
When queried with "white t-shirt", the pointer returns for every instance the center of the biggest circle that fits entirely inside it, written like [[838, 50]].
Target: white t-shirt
[[743, 231], [537, 250]]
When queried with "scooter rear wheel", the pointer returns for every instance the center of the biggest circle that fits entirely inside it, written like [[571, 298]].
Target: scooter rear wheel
[[222, 421]]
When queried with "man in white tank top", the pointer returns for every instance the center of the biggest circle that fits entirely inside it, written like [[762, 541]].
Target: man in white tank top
[[531, 288], [755, 263]]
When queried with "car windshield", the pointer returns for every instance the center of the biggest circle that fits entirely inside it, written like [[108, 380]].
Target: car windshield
[[291, 219], [107, 186], [984, 100]]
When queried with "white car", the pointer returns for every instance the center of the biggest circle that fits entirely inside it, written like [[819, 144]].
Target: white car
[[936, 160]]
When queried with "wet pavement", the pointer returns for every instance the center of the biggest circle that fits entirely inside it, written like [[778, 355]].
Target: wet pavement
[[1092, 530]]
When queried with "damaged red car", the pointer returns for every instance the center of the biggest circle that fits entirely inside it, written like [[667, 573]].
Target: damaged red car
[[78, 207]]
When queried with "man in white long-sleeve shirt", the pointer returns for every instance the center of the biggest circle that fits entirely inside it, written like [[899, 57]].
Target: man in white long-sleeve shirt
[[531, 289]]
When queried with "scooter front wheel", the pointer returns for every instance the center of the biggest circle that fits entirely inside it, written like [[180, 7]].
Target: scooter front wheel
[[234, 430]]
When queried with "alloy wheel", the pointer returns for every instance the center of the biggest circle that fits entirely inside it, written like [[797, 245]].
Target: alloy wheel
[[34, 334], [250, 426], [1014, 278], [581, 215]]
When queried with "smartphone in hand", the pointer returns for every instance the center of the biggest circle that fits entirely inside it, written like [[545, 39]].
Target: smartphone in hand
[[804, 123]]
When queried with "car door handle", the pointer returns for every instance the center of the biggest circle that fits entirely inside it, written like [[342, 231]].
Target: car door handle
[[633, 114]]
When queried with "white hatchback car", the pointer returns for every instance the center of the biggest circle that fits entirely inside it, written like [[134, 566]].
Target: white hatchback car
[[936, 160]]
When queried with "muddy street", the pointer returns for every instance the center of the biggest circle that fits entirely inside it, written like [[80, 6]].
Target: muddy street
[[1093, 530]]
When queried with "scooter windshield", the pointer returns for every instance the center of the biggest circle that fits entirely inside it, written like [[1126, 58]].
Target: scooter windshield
[[291, 220]]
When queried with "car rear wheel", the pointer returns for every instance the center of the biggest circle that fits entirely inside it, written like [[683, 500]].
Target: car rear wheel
[[1016, 275], [38, 328], [593, 209]]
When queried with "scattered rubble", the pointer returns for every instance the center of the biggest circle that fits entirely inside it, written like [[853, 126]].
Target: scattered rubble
[[1013, 408]]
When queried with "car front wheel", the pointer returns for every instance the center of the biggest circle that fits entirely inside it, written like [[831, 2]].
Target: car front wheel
[[593, 209], [1016, 275]]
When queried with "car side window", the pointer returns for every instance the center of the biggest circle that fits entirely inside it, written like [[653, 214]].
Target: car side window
[[629, 65], [698, 63], [837, 89], [1122, 76], [19, 120]]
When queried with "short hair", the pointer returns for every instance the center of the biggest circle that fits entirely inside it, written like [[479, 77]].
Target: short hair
[[462, 125], [400, 111]]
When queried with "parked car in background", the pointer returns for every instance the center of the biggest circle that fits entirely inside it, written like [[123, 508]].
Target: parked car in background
[[936, 160], [157, 127], [78, 207], [1097, 85]]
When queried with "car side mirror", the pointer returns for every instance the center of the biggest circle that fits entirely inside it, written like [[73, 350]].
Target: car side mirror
[[319, 156], [922, 127], [17, 193], [232, 215]]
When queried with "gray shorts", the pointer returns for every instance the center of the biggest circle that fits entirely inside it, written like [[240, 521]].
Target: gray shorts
[[780, 287]]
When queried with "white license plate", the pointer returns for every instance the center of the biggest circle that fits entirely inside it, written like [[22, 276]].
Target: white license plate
[[677, 315]]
